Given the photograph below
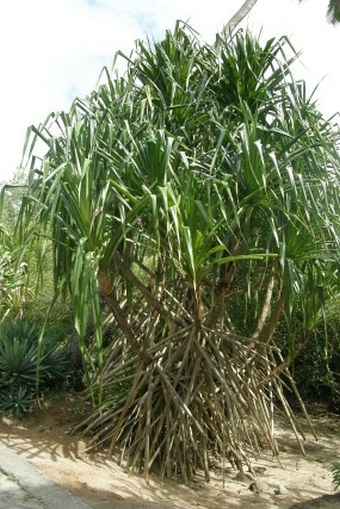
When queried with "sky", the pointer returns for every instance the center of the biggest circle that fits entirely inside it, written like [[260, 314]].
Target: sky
[[52, 51]]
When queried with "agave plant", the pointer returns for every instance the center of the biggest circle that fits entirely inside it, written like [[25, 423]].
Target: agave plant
[[27, 366], [16, 400], [192, 203]]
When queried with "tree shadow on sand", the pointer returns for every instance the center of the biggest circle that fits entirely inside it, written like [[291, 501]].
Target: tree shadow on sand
[[324, 502]]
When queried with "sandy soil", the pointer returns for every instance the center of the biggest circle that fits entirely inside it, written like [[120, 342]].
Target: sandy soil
[[292, 481]]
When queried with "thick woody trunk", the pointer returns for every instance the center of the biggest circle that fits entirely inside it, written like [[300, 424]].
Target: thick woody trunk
[[268, 331], [239, 16], [149, 297], [266, 307], [227, 274], [105, 285]]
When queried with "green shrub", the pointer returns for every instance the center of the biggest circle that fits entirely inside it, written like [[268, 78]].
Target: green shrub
[[336, 475], [316, 369], [27, 367], [16, 400]]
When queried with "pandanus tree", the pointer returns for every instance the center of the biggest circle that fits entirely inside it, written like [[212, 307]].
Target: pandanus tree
[[191, 204]]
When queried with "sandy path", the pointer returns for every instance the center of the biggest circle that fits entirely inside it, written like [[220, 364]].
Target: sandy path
[[295, 480]]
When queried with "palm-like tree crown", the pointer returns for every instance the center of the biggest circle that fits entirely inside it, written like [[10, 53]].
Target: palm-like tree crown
[[198, 195]]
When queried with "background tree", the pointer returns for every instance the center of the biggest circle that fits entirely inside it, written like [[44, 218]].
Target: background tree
[[13, 270], [333, 14], [333, 11]]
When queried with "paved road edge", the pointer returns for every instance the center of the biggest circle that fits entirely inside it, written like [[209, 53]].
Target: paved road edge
[[41, 487]]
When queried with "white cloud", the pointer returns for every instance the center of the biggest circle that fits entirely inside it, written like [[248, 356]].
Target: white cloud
[[319, 43], [51, 52], [54, 50]]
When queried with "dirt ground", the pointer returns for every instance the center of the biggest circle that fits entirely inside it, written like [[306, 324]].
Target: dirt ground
[[290, 481]]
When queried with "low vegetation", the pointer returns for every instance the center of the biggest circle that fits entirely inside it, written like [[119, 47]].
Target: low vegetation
[[27, 366], [336, 475]]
